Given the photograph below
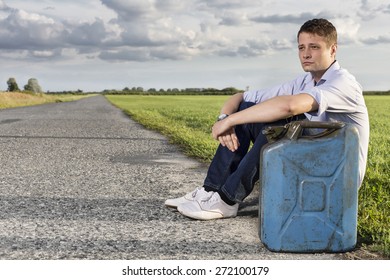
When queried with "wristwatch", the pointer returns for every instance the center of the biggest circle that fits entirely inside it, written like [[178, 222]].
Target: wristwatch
[[222, 116]]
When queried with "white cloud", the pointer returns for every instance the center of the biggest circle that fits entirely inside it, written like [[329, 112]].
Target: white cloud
[[87, 34], [28, 31], [131, 10], [347, 30], [370, 9], [2, 5], [170, 31], [44, 53], [385, 39]]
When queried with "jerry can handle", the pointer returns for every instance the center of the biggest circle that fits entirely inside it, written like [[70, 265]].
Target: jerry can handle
[[295, 129]]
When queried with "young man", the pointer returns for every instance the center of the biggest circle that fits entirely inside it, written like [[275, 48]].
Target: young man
[[325, 93]]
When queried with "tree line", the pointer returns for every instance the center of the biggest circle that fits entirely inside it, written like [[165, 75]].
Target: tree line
[[31, 86], [174, 91]]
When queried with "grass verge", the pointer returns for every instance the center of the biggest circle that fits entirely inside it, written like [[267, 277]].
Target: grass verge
[[19, 99]]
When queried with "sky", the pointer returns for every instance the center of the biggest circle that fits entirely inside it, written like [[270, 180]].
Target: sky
[[93, 45]]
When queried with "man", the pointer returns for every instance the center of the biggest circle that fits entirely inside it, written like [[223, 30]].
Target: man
[[325, 93]]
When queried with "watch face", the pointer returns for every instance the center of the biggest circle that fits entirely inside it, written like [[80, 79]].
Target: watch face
[[222, 116]]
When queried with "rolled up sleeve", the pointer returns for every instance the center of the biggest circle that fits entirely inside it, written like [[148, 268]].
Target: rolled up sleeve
[[337, 96], [289, 88]]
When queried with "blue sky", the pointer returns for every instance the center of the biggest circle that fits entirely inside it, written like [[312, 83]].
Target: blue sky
[[111, 44]]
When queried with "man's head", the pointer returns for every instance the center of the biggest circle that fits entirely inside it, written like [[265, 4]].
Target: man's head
[[320, 27], [317, 44]]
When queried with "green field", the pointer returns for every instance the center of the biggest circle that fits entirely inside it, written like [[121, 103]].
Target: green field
[[187, 121]]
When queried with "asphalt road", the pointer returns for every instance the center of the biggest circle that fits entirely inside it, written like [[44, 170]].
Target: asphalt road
[[81, 180]]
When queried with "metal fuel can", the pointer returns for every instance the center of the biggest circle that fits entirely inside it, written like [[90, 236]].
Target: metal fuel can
[[309, 188]]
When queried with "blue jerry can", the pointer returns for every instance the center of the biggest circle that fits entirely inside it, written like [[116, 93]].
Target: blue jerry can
[[309, 189]]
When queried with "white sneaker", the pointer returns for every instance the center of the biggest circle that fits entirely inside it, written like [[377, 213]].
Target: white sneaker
[[198, 193], [209, 208]]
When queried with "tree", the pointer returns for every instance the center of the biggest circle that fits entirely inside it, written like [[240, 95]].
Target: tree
[[12, 85], [32, 85], [230, 90]]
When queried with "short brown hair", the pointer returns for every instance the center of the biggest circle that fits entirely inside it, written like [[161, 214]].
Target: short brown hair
[[320, 27]]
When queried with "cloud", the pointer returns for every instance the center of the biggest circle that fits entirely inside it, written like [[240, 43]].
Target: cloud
[[233, 19], [151, 30], [383, 39], [257, 47], [3, 6], [41, 36], [131, 10], [347, 30], [368, 10], [216, 6], [143, 30], [20, 29], [126, 54], [87, 34], [298, 18]]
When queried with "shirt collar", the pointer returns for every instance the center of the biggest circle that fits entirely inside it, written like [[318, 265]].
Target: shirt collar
[[333, 67]]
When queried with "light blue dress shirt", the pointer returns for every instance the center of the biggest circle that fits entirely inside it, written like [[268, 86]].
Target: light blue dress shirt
[[339, 96]]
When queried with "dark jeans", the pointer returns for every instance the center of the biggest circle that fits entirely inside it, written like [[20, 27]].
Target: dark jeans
[[235, 173]]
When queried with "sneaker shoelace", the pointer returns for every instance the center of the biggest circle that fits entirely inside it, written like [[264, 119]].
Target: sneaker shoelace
[[195, 192], [210, 199]]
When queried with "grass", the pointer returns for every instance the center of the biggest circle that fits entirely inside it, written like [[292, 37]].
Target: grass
[[19, 99], [374, 207], [187, 121]]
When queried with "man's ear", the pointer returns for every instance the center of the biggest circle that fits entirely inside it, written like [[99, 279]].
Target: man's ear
[[333, 49]]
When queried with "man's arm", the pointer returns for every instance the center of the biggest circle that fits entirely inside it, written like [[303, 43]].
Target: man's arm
[[230, 107], [271, 110], [232, 104]]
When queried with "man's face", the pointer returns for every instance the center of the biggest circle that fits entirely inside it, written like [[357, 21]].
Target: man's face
[[314, 54]]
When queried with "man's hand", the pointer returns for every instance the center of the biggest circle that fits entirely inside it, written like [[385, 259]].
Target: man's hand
[[225, 135]]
